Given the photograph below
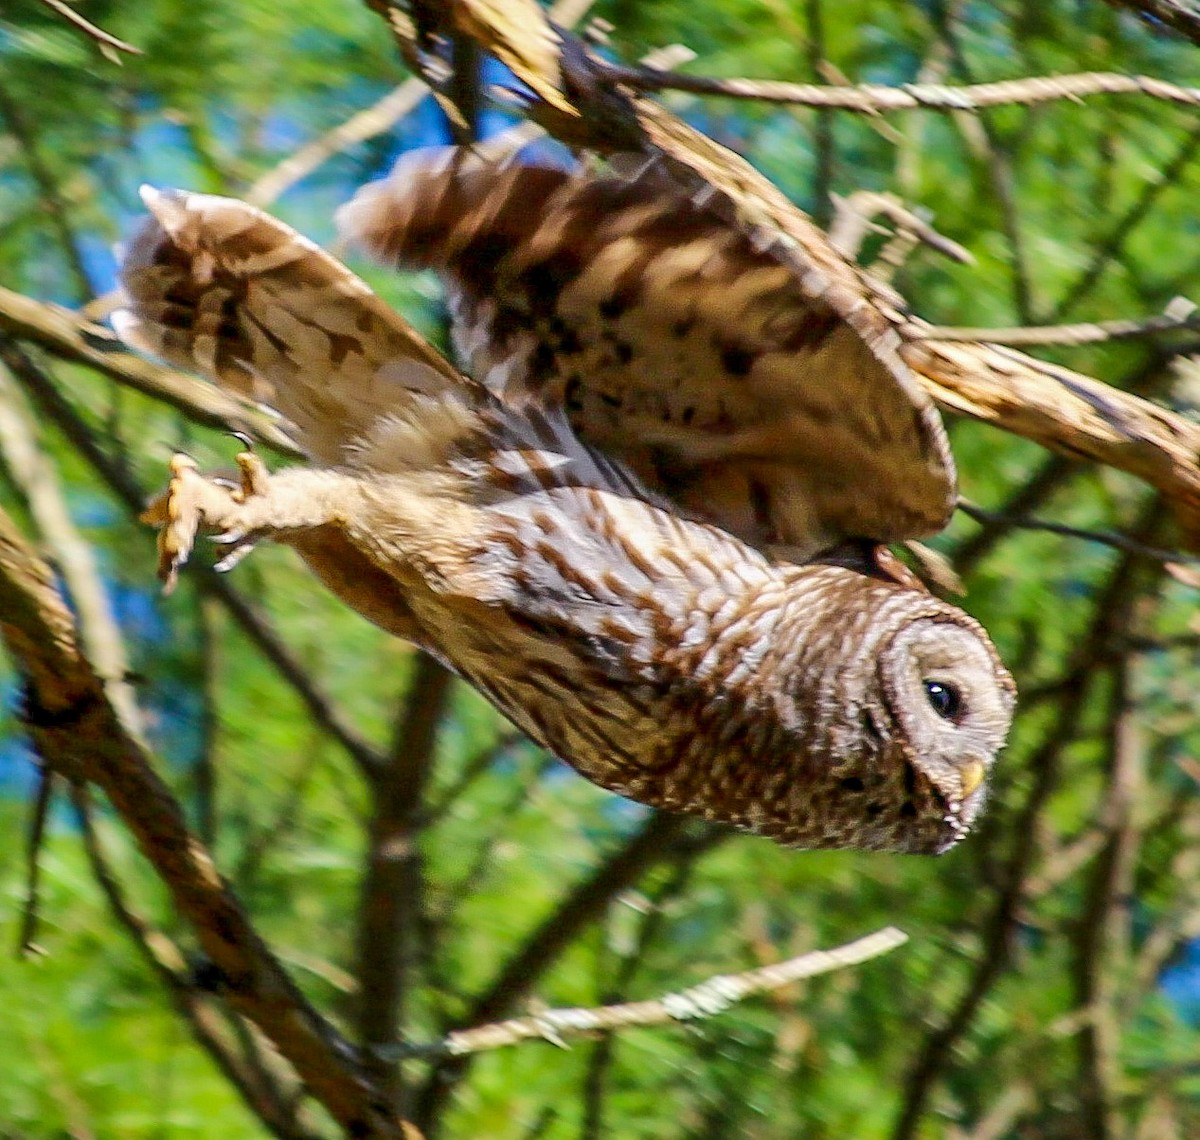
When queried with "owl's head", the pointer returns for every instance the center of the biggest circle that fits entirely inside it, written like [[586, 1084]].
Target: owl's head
[[941, 704], [900, 708]]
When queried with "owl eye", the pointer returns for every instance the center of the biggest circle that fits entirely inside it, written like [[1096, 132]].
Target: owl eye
[[945, 700]]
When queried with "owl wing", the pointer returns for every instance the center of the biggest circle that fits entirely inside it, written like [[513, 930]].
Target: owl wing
[[217, 286], [754, 389]]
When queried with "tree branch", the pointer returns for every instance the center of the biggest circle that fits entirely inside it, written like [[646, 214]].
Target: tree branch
[[109, 45], [69, 337], [711, 997], [876, 99], [76, 731]]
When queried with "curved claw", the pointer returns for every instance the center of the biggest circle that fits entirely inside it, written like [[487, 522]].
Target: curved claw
[[255, 475], [233, 557]]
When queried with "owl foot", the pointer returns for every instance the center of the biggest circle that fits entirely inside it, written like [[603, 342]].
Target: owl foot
[[193, 500]]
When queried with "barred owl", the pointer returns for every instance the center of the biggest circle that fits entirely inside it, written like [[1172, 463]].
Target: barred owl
[[646, 524]]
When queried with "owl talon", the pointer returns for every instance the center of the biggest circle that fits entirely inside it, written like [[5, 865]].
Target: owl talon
[[224, 565], [193, 500], [255, 476]]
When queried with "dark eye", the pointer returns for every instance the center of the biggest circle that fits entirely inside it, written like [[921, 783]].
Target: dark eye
[[944, 699]]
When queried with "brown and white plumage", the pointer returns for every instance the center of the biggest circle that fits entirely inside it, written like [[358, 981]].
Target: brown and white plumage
[[678, 339], [665, 657]]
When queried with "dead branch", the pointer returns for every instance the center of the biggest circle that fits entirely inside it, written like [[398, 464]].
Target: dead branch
[[109, 44], [876, 99], [69, 337], [75, 730], [1180, 15], [707, 999], [1067, 335], [1103, 537], [1066, 412], [657, 840]]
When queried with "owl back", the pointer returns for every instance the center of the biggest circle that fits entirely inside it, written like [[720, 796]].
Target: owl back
[[677, 338]]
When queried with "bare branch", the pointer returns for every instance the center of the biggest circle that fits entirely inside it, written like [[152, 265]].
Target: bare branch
[[70, 337], [1066, 412], [1067, 335], [875, 99], [657, 840], [852, 222], [1181, 15], [711, 997], [102, 38], [366, 124], [1104, 537], [75, 730]]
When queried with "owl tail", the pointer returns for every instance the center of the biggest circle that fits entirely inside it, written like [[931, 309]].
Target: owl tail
[[216, 286]]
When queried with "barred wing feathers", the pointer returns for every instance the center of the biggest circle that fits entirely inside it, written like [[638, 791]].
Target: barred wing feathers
[[680, 338], [218, 286]]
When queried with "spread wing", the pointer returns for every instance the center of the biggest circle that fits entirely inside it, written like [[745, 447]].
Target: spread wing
[[217, 286], [680, 338]]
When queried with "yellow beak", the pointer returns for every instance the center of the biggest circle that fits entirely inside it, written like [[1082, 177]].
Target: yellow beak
[[971, 775]]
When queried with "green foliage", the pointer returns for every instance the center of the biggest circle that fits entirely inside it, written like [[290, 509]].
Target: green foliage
[[1068, 215]]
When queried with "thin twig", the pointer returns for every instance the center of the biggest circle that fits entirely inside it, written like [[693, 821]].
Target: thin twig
[[1104, 537], [30, 905], [655, 842], [103, 38], [1067, 335], [852, 222], [707, 999]]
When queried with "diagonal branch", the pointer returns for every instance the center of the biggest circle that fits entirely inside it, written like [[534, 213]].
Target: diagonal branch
[[69, 337], [710, 997], [109, 44], [1183, 16], [75, 730], [273, 1104]]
